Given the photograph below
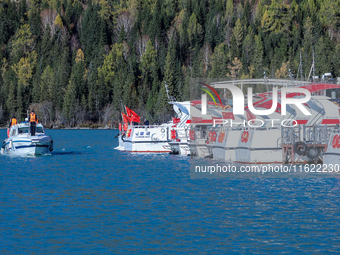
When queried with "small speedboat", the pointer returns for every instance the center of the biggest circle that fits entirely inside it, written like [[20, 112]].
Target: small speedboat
[[21, 142]]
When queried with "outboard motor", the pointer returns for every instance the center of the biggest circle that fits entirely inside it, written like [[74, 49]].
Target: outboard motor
[[3, 147], [51, 146]]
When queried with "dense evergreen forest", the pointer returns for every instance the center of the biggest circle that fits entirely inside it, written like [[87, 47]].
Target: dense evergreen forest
[[78, 62]]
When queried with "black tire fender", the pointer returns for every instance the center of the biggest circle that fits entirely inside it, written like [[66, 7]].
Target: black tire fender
[[300, 148], [312, 152]]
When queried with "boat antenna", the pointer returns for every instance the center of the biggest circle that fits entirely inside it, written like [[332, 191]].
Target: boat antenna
[[265, 80]]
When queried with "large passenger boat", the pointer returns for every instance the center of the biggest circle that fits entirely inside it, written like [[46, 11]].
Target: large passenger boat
[[261, 145]]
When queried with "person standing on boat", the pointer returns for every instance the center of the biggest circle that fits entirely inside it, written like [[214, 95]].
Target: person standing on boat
[[33, 122], [13, 122]]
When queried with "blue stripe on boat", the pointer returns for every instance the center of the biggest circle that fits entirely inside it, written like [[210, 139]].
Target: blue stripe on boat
[[30, 146]]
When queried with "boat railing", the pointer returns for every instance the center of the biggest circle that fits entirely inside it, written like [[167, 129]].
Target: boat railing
[[307, 134], [274, 82], [148, 126]]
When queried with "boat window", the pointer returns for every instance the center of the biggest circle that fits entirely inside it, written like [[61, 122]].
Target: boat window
[[23, 130], [40, 130]]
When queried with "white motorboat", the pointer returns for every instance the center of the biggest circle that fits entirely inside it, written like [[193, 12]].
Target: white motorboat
[[145, 139], [170, 137], [21, 142], [165, 138]]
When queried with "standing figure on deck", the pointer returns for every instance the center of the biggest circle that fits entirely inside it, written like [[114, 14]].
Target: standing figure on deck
[[13, 122], [33, 122]]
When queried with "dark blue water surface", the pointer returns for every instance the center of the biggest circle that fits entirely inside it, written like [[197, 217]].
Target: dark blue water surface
[[91, 199]]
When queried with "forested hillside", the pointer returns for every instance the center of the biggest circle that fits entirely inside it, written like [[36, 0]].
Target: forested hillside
[[78, 62]]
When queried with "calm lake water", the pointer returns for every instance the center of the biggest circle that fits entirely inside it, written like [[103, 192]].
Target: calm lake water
[[91, 199]]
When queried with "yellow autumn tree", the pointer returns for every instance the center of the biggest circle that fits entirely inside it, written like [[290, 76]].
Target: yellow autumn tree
[[22, 41], [283, 71], [277, 17], [235, 68], [238, 32], [58, 21], [79, 56], [24, 69]]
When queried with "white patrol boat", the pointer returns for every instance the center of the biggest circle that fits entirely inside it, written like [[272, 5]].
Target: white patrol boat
[[145, 139], [168, 137], [21, 142]]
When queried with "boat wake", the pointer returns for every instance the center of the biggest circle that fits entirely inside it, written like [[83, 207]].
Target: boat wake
[[63, 152]]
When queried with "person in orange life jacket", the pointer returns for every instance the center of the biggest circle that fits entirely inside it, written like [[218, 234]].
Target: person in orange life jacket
[[13, 122], [33, 119]]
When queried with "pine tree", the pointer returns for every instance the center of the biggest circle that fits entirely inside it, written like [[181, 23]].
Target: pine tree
[[238, 32], [46, 84], [219, 61], [170, 78], [229, 10], [70, 102], [258, 57], [157, 22], [248, 47], [147, 68], [11, 99], [195, 30], [93, 34]]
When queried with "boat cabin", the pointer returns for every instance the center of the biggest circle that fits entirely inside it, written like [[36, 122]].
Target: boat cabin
[[24, 128]]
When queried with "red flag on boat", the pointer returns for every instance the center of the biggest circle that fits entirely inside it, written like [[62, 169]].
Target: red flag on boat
[[132, 115], [125, 118], [176, 120], [250, 116], [135, 119]]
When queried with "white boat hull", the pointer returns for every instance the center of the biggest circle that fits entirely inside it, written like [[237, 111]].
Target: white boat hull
[[153, 140], [255, 148], [181, 148], [247, 146], [199, 148], [331, 158], [146, 147], [23, 148]]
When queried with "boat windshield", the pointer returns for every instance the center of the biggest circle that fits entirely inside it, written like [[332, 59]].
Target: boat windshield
[[25, 130]]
